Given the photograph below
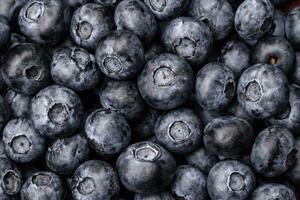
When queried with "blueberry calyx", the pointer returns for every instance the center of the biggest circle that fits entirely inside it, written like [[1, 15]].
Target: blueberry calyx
[[147, 152], [164, 76]]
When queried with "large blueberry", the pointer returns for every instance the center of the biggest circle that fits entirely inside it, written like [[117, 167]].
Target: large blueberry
[[89, 24], [45, 21], [26, 68], [230, 179], [135, 16], [22, 142], [95, 179], [179, 130], [166, 81], [107, 131], [123, 97], [273, 151], [188, 38], [263, 91], [56, 111], [215, 86], [229, 137], [146, 167], [292, 27], [120, 55], [275, 51], [217, 14], [66, 154], [75, 68], [253, 19]]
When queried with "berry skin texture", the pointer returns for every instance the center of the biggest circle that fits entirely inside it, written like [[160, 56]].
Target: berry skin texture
[[253, 19], [165, 10], [19, 103], [122, 97], [179, 130], [273, 151], [45, 21], [159, 196], [236, 56], [274, 51], [292, 27], [293, 173], [26, 68], [230, 179], [189, 183], [22, 142], [95, 179], [11, 179], [65, 155], [89, 24], [278, 28], [4, 32], [43, 185], [108, 132], [263, 91], [273, 191], [77, 3], [215, 86], [56, 111], [136, 17], [146, 168], [228, 137], [108, 3], [120, 55], [75, 68], [188, 38], [4, 113], [295, 76], [217, 14], [166, 81]]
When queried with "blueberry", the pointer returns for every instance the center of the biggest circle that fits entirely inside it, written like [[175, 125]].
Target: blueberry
[[159, 196], [230, 179], [56, 111], [4, 113], [108, 3], [44, 21], [75, 68], [278, 28], [292, 27], [19, 103], [95, 179], [295, 76], [26, 68], [273, 191], [120, 55], [236, 56], [43, 185], [253, 19], [179, 130], [77, 3], [166, 81], [189, 183], [65, 155], [153, 50], [229, 137], [202, 159], [135, 16], [263, 91], [188, 38], [143, 127], [165, 10], [290, 117], [22, 142], [10, 9], [4, 32], [273, 151], [146, 167], [123, 97], [10, 179], [236, 109], [215, 86], [293, 173], [217, 14], [89, 24], [275, 51], [107, 131]]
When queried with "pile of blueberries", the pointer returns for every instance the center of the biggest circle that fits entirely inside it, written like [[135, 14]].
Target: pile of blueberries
[[149, 100]]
